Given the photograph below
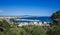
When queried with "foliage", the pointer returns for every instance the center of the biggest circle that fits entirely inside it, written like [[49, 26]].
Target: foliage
[[24, 30], [35, 30], [15, 22], [56, 15], [56, 29], [27, 30], [4, 26]]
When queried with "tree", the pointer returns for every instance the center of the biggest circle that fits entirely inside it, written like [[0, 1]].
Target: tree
[[4, 27], [56, 18], [56, 15], [1, 26], [4, 24]]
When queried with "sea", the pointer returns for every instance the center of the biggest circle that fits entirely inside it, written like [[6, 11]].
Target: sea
[[37, 18]]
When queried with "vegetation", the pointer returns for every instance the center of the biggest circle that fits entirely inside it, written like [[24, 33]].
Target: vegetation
[[6, 29], [56, 27], [24, 30], [15, 22], [4, 26], [56, 15]]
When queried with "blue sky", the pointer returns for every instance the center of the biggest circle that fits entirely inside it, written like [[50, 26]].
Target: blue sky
[[29, 7]]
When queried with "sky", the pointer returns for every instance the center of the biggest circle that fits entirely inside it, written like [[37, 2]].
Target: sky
[[28, 7]]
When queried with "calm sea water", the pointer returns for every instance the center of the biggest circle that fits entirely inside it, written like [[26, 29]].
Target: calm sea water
[[43, 19]]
